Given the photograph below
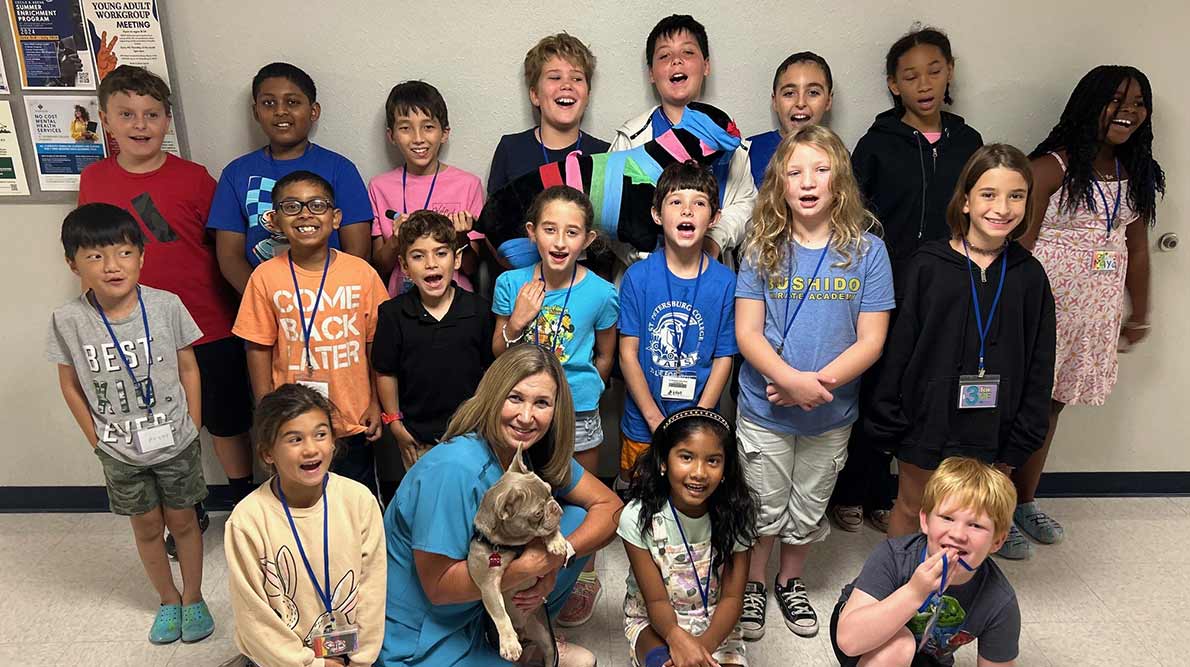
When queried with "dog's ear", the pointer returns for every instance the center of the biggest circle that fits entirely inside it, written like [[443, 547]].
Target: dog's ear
[[518, 464], [509, 503]]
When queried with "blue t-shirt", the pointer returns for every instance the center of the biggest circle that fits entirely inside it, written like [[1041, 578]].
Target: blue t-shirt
[[434, 511], [594, 306], [761, 152], [660, 318], [245, 192], [823, 329]]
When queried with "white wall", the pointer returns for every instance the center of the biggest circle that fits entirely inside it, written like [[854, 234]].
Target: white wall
[[1017, 62]]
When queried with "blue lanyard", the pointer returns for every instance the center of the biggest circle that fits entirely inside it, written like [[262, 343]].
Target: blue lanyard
[[545, 156], [1115, 214], [429, 195], [979, 324], [702, 591], [297, 298], [693, 300], [144, 390], [552, 337], [323, 592], [942, 584], [789, 289]]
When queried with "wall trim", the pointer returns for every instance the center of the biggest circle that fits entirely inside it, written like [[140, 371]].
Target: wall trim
[[1053, 485]]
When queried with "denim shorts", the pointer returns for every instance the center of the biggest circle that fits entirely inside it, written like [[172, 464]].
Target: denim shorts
[[588, 430]]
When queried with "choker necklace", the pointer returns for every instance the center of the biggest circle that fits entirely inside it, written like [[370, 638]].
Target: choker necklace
[[986, 252]]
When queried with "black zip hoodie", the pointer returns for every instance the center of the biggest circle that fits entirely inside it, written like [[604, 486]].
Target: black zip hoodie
[[908, 182], [935, 340]]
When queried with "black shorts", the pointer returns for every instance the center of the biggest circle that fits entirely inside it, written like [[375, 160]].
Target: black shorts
[[226, 391]]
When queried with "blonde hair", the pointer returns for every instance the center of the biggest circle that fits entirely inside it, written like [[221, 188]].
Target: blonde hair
[[771, 231], [481, 413], [973, 485], [564, 46]]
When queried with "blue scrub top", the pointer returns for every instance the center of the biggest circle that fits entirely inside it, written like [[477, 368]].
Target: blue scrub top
[[434, 511]]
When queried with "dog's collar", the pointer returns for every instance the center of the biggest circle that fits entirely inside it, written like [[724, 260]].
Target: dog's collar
[[517, 549]]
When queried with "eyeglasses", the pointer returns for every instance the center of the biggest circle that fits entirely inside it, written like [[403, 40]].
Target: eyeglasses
[[316, 206]]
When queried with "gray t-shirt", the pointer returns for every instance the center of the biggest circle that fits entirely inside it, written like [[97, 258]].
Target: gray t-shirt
[[985, 607], [78, 338]]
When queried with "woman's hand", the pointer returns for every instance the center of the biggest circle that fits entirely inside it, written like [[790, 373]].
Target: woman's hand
[[536, 561], [533, 597], [685, 651]]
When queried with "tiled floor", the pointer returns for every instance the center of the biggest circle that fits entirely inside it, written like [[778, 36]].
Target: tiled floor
[[74, 593]]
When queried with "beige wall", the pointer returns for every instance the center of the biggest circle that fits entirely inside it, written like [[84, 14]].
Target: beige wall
[[1017, 62]]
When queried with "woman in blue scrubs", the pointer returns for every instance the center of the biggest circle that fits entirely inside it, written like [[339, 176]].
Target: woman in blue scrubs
[[434, 613]]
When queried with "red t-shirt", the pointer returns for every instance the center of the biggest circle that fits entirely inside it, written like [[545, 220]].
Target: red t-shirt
[[171, 204]]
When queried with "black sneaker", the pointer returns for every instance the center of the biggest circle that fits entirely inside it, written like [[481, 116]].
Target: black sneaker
[[752, 616], [795, 607], [204, 521]]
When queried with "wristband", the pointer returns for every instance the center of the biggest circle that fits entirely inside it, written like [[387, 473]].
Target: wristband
[[569, 553], [507, 340], [390, 417], [1138, 326]]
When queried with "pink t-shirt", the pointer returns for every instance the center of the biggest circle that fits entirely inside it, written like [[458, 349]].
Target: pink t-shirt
[[456, 190], [932, 137]]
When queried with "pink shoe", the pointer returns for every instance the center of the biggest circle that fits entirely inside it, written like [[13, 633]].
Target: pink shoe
[[580, 606], [569, 655]]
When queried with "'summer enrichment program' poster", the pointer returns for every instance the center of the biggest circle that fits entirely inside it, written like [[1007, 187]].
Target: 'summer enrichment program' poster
[[52, 47], [128, 32], [12, 170], [66, 137]]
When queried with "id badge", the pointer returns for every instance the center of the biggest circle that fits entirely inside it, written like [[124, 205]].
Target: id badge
[[978, 392], [312, 380], [335, 641], [153, 438], [1105, 261], [678, 387]]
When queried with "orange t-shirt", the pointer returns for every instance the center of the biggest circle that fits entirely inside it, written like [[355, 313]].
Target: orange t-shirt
[[343, 327]]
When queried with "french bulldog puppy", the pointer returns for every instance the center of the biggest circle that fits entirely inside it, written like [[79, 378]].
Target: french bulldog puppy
[[516, 510]]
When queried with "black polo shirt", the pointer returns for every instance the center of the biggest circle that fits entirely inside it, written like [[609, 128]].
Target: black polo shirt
[[437, 363]]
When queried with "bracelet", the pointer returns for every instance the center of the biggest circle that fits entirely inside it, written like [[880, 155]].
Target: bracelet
[[507, 340], [1138, 326], [390, 417]]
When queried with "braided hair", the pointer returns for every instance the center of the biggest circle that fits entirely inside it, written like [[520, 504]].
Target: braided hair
[[1079, 134], [731, 507]]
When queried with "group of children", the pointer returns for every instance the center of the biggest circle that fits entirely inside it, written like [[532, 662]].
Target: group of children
[[975, 289]]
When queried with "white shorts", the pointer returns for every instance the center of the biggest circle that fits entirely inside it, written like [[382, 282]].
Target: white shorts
[[793, 477]]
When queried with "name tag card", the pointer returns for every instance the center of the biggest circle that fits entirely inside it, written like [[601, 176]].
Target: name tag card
[[978, 392], [678, 387], [153, 438]]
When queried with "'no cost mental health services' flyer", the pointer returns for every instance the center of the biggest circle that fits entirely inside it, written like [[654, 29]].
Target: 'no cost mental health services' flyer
[[66, 138]]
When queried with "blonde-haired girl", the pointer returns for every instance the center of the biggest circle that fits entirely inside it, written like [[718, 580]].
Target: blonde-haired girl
[[812, 302]]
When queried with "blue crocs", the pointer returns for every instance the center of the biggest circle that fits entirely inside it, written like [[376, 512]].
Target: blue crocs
[[197, 622], [167, 627]]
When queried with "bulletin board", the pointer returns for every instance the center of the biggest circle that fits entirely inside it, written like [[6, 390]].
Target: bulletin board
[[53, 54]]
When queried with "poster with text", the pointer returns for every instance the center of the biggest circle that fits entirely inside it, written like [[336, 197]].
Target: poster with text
[[51, 43], [66, 137], [128, 32], [12, 170], [3, 78]]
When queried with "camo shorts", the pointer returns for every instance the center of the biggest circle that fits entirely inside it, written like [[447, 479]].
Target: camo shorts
[[177, 483]]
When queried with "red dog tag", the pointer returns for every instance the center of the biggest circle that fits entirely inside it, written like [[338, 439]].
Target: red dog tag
[[494, 559]]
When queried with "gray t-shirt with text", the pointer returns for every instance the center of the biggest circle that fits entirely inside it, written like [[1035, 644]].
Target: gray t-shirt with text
[[78, 338]]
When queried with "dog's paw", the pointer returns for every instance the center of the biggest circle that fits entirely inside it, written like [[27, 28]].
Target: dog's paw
[[510, 649], [556, 545]]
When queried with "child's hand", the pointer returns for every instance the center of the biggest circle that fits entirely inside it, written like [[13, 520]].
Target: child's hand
[[528, 305], [927, 578], [372, 421], [685, 651], [410, 449], [463, 221], [800, 388], [397, 222]]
